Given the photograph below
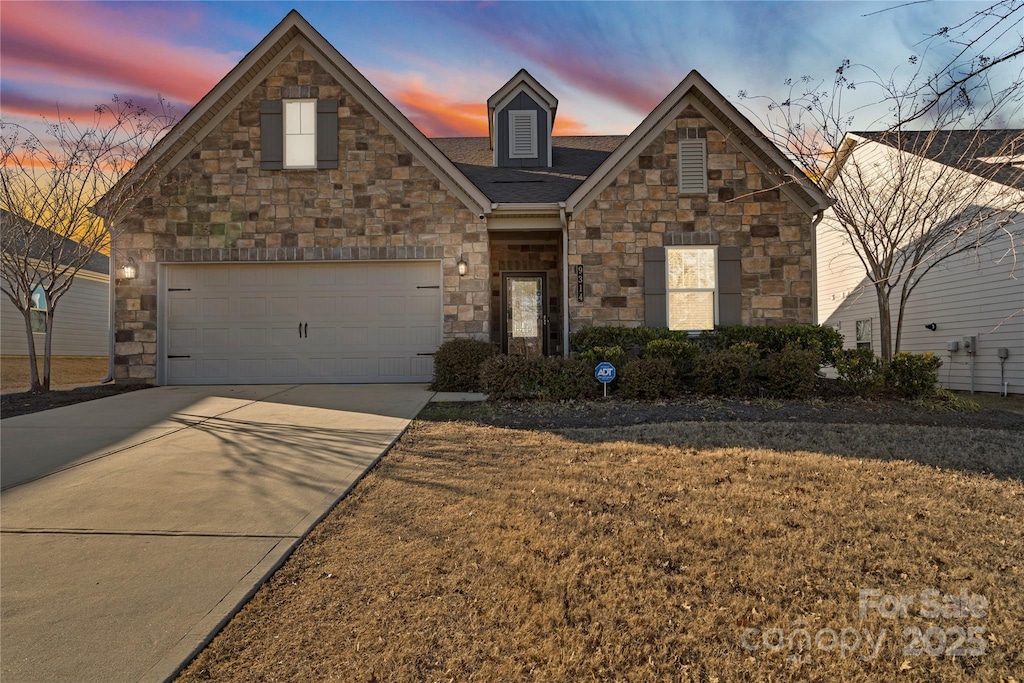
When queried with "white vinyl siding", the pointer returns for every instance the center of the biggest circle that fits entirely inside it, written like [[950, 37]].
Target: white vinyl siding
[[522, 134], [693, 166], [692, 287], [79, 325], [300, 133]]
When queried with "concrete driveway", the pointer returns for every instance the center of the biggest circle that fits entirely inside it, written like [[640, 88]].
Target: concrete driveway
[[133, 526]]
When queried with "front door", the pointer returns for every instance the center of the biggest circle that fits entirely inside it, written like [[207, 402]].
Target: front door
[[524, 328]]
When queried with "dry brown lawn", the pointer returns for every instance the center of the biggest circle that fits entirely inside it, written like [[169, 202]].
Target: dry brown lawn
[[66, 372], [650, 553]]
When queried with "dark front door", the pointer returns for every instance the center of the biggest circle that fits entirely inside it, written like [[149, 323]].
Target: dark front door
[[525, 323]]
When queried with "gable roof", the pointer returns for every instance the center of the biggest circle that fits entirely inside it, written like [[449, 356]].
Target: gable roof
[[574, 158], [968, 150], [525, 80], [66, 251], [695, 91], [294, 31]]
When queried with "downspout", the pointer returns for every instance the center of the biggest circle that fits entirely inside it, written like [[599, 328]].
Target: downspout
[[819, 215], [565, 279], [111, 294]]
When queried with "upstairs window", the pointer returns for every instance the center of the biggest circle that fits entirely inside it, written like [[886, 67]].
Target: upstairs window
[[692, 287], [37, 314], [522, 134], [693, 166], [299, 133]]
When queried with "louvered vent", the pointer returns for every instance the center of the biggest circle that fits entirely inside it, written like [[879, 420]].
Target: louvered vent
[[522, 138], [693, 174]]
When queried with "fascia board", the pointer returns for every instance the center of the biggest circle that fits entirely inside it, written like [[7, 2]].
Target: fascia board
[[400, 126], [344, 72], [522, 78], [641, 136]]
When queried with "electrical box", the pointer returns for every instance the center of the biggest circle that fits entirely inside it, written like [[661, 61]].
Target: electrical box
[[1003, 353], [970, 344], [952, 345]]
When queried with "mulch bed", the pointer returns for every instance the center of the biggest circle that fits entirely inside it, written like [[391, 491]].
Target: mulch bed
[[12, 405]]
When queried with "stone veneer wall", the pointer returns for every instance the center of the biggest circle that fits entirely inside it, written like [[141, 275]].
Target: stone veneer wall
[[218, 205], [528, 258], [643, 208]]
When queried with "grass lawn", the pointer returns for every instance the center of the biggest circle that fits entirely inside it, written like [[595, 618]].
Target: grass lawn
[[682, 551], [65, 371]]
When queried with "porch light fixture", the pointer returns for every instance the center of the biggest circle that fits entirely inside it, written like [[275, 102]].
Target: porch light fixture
[[462, 266], [128, 270]]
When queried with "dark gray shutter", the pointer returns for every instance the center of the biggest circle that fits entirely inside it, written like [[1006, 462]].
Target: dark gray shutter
[[271, 134], [655, 308], [327, 134], [729, 286]]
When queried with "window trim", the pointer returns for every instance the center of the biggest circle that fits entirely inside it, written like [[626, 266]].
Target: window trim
[[286, 135], [716, 308], [531, 114], [858, 342], [34, 312], [693, 143]]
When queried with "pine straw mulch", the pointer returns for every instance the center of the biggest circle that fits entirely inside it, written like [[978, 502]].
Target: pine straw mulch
[[639, 552]]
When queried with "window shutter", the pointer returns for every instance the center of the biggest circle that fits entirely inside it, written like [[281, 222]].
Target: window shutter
[[729, 286], [655, 306], [522, 134], [327, 134], [693, 171], [271, 134]]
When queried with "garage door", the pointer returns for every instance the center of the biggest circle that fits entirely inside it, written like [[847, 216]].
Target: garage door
[[292, 323]]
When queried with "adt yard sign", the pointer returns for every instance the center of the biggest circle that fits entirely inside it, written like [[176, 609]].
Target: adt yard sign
[[605, 373]]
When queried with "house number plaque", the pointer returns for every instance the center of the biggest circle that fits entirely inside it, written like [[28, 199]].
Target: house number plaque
[[579, 283]]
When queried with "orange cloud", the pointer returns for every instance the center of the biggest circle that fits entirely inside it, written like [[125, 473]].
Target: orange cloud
[[437, 115], [48, 37]]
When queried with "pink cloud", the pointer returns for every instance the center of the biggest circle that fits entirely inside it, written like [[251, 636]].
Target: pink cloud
[[51, 37]]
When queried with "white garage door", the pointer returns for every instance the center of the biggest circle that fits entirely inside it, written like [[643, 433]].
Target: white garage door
[[309, 322]]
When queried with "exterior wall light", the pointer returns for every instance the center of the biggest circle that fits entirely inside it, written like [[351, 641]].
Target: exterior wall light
[[462, 266], [128, 270]]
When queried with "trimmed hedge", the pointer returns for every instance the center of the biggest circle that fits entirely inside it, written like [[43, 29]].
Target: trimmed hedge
[[648, 379], [457, 364], [913, 375], [825, 341], [859, 370], [516, 378]]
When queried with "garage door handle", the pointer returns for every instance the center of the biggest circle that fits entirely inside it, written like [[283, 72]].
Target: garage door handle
[[428, 286], [424, 354], [179, 356], [305, 330]]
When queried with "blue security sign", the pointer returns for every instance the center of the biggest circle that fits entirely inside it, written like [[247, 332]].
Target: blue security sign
[[605, 372]]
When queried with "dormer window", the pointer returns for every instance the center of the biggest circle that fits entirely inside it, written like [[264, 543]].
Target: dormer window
[[522, 138]]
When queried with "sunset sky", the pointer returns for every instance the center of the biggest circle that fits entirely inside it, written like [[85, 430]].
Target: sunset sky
[[608, 63]]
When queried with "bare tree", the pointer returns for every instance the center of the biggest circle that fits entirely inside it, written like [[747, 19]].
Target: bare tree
[[49, 181], [923, 193]]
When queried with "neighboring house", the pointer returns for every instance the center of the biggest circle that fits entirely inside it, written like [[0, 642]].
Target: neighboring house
[[302, 229], [81, 324], [979, 293]]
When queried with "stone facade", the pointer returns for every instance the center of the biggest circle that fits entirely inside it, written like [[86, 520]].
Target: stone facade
[[528, 258], [218, 205], [643, 208]]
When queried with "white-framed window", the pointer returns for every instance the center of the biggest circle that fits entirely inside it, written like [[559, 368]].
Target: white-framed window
[[692, 287], [300, 133], [37, 314], [692, 160], [863, 331], [522, 134]]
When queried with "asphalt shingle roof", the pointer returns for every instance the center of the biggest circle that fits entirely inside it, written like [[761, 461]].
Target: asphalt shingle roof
[[962, 149], [574, 159]]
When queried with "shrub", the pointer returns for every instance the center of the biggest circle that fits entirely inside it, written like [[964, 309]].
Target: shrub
[[457, 364], [825, 341], [790, 373], [725, 373], [516, 378], [913, 375], [681, 352], [603, 354], [859, 370], [632, 340], [648, 379]]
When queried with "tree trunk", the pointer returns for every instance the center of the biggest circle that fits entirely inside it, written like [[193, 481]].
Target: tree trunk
[[31, 345], [884, 324], [899, 318], [48, 347]]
